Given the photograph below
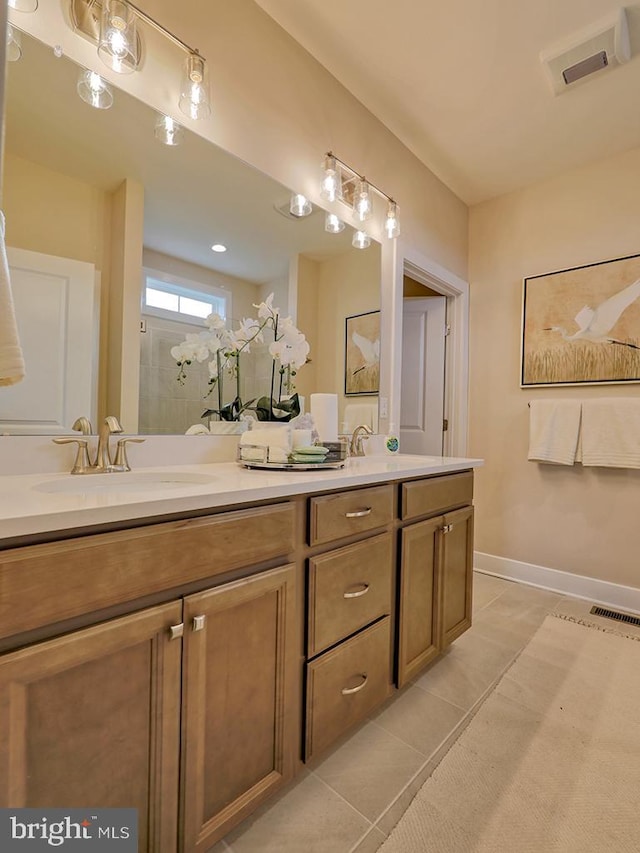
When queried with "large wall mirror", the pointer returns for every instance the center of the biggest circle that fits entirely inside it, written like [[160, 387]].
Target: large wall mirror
[[65, 162]]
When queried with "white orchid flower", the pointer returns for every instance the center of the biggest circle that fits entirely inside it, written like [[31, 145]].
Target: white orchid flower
[[250, 330], [215, 322], [266, 309], [290, 353]]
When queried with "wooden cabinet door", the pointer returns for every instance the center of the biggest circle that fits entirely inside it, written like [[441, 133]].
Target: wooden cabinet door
[[238, 702], [457, 575], [417, 613], [93, 719]]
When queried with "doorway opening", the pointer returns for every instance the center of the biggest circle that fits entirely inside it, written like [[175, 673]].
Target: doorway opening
[[434, 370]]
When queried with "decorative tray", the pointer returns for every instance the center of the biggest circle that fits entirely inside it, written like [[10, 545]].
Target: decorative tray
[[291, 466]]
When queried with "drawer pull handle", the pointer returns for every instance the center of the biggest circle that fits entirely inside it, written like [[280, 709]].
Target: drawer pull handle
[[348, 691], [358, 593], [360, 513]]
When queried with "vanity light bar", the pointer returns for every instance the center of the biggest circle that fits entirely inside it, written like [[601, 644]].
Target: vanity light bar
[[88, 18], [356, 191]]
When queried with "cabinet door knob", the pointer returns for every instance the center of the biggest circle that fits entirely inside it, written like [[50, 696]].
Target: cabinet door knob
[[360, 513], [198, 622], [357, 593], [447, 528], [176, 631], [348, 691]]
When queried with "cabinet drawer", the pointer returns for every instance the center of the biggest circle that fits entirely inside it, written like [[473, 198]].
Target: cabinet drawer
[[348, 589], [434, 495], [43, 584], [345, 684], [336, 516]]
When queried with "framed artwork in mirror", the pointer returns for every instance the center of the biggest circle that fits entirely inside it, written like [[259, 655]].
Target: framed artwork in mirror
[[362, 354], [581, 326]]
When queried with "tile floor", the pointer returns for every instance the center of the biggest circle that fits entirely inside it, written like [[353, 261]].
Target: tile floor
[[351, 798]]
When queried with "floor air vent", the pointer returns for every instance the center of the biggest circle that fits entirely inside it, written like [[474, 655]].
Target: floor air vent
[[613, 614]]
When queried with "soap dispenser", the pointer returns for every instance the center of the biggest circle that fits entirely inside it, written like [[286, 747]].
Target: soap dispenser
[[391, 441]]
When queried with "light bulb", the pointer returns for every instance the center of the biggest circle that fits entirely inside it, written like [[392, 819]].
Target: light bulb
[[14, 44], [300, 205], [362, 206], [118, 41], [330, 187], [333, 224], [194, 90], [23, 5], [392, 222], [94, 90], [361, 240], [168, 131]]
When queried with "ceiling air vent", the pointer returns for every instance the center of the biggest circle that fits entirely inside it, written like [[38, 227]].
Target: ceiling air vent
[[593, 49]]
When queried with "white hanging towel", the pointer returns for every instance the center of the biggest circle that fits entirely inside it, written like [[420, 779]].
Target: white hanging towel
[[11, 358], [554, 427], [611, 432]]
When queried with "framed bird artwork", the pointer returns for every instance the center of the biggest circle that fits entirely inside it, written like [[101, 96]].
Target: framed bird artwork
[[581, 326], [362, 354]]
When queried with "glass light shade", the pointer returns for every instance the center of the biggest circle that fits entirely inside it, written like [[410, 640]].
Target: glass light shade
[[168, 131], [14, 44], [331, 184], [300, 205], [118, 42], [194, 89], [94, 90], [361, 240], [362, 204], [392, 222], [23, 5], [333, 224]]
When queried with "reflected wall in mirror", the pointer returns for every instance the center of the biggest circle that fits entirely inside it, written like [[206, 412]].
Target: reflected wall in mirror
[[74, 180]]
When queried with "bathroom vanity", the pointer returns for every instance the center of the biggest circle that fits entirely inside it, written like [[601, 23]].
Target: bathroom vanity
[[183, 650]]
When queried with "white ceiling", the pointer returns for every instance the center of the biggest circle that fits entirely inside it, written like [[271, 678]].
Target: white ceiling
[[461, 84]]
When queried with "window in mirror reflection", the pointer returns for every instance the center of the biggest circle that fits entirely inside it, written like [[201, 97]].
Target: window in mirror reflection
[[179, 301]]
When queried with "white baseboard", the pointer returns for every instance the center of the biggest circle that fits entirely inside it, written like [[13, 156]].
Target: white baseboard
[[603, 592]]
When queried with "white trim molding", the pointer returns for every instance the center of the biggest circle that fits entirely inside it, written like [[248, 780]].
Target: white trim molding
[[578, 586], [456, 404]]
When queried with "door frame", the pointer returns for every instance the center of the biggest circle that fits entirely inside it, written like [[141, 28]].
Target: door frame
[[399, 260]]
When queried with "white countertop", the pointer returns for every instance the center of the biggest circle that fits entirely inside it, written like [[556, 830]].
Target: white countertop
[[25, 509]]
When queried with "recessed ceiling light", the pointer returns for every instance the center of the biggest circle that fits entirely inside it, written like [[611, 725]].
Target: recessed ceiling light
[[218, 247]]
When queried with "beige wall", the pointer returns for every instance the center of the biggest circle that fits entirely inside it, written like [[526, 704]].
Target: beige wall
[[347, 284], [578, 520], [52, 213]]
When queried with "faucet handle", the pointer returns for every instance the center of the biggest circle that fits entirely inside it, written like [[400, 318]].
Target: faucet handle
[[81, 464], [121, 463], [113, 424]]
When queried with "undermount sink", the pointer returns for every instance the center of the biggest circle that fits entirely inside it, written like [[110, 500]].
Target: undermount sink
[[130, 481]]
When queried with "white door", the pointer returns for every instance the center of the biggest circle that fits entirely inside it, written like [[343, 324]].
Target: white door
[[56, 304], [422, 389]]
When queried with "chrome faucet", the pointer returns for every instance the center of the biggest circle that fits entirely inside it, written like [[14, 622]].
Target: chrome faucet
[[355, 447], [103, 462]]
